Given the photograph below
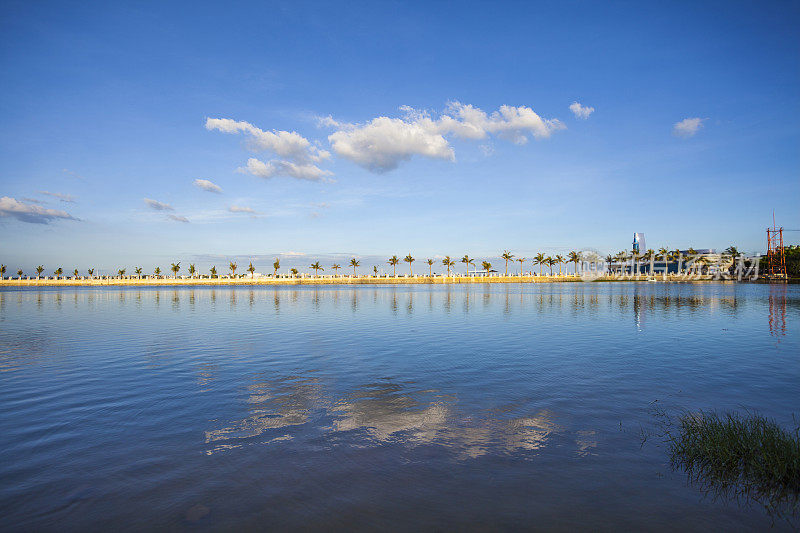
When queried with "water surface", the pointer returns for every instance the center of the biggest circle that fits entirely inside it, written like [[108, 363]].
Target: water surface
[[386, 407]]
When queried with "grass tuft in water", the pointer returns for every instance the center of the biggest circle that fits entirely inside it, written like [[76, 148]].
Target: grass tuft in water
[[745, 455]]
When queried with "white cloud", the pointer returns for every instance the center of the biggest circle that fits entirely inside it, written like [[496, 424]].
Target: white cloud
[[299, 155], [580, 111], [273, 168], [241, 209], [158, 206], [289, 145], [687, 127], [178, 218], [383, 143], [207, 185], [34, 214], [68, 198]]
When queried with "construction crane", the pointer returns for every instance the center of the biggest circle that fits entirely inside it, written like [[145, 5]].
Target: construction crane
[[776, 256]]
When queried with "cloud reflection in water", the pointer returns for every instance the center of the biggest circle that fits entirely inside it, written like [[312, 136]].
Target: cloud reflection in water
[[386, 413]]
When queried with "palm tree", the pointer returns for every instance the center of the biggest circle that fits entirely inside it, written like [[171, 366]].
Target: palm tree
[[521, 261], [375, 270], [448, 263], [175, 268], [294, 272], [430, 267], [316, 267], [121, 273], [232, 266], [540, 260], [138, 271], [574, 257], [666, 257], [91, 272], [467, 261], [393, 261], [650, 256], [508, 256], [408, 259], [487, 266], [75, 274], [550, 262], [275, 266], [157, 272], [336, 268], [192, 270], [213, 272], [704, 262], [58, 272], [39, 271], [559, 259], [2, 271], [251, 269], [19, 273], [355, 263]]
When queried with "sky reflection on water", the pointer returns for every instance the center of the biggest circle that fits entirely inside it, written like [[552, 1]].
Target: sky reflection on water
[[390, 407]]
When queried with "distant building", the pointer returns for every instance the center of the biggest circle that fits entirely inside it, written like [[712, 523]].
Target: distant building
[[639, 246], [703, 260]]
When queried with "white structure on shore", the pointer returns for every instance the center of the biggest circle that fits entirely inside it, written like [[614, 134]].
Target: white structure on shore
[[639, 246]]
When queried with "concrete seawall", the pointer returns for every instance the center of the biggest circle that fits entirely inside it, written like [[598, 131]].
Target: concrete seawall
[[333, 280]]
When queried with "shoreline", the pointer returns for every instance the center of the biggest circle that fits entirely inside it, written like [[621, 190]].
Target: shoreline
[[344, 280]]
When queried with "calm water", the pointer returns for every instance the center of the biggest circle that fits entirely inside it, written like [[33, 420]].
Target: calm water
[[413, 408]]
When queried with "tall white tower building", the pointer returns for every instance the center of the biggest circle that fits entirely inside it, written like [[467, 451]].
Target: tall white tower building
[[639, 247]]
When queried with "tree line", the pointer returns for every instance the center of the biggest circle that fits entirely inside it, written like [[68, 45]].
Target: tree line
[[540, 260]]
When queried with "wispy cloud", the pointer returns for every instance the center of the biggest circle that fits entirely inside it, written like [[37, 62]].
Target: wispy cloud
[[158, 206], [242, 209], [687, 127], [73, 174], [178, 218], [67, 198], [34, 214], [580, 111], [207, 185]]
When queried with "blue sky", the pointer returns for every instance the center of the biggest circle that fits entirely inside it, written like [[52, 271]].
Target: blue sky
[[432, 128]]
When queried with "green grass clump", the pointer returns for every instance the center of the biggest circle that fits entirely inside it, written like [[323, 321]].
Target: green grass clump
[[748, 456]]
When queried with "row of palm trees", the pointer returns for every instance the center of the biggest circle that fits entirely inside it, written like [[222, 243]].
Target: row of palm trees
[[541, 260]]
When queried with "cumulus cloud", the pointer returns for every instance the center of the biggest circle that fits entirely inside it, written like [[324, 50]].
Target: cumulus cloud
[[580, 111], [687, 127], [34, 214], [241, 209], [273, 168], [178, 218], [207, 185], [299, 155], [67, 198], [289, 145], [158, 206], [383, 143]]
